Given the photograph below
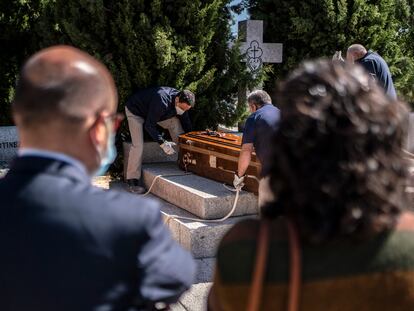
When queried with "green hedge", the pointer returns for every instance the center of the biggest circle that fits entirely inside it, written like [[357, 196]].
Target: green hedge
[[183, 44], [315, 28]]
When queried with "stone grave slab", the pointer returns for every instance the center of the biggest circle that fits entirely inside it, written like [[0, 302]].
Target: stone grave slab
[[195, 299], [198, 237], [152, 154], [9, 143], [205, 269], [200, 196]]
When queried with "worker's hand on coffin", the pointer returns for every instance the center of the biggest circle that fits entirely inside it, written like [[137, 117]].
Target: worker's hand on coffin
[[167, 147], [238, 182]]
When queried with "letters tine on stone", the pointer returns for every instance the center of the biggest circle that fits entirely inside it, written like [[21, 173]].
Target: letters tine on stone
[[9, 143]]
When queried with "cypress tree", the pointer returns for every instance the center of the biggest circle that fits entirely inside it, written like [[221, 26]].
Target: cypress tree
[[405, 64], [183, 44], [16, 22]]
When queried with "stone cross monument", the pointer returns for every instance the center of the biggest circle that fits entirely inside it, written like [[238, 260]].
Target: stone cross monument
[[255, 50]]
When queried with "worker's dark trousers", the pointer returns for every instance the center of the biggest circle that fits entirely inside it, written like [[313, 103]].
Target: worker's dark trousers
[[136, 129]]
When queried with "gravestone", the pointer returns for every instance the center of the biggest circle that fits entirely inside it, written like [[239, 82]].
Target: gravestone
[[9, 143], [255, 51]]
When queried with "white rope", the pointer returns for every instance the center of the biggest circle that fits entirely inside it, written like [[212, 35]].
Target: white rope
[[408, 154], [237, 190], [164, 175], [236, 199]]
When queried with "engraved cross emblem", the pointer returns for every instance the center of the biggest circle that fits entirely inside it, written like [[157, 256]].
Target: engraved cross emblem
[[255, 50], [254, 56]]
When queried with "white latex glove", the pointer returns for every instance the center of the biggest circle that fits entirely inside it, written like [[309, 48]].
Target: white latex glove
[[338, 56], [167, 147], [238, 182]]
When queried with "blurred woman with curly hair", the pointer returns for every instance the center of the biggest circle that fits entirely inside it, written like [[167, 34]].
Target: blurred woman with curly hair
[[338, 176]]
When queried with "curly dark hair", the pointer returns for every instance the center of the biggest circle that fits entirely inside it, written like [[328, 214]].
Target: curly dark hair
[[337, 163]]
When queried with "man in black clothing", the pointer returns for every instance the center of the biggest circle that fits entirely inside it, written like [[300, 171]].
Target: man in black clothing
[[164, 106], [375, 65]]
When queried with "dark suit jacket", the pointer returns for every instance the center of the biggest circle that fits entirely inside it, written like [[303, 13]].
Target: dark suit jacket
[[66, 245], [157, 104]]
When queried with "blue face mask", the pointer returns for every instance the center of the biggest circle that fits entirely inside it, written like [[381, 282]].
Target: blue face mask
[[107, 157]]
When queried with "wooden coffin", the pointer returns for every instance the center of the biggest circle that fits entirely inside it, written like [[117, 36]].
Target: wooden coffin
[[215, 155]]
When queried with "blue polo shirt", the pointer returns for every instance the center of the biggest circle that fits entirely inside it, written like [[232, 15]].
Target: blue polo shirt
[[376, 66], [259, 129]]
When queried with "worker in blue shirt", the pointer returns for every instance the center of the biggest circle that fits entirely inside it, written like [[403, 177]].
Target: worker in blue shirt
[[259, 128], [147, 108], [375, 65]]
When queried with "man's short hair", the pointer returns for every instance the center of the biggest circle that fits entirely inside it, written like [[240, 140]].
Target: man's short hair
[[357, 50], [259, 98], [186, 96]]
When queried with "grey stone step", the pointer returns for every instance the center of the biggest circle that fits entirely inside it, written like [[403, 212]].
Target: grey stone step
[[205, 270], [200, 196], [195, 299], [197, 236], [152, 154]]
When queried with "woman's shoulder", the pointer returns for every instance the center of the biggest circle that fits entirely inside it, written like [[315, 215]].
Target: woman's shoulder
[[238, 249], [247, 230]]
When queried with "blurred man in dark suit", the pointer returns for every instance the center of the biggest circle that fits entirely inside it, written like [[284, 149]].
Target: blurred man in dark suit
[[66, 245]]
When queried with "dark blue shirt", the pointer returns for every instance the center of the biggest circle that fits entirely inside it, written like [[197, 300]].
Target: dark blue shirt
[[259, 129], [154, 105], [376, 66]]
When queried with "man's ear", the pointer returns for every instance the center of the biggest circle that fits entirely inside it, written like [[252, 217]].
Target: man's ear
[[350, 57], [97, 132], [17, 119]]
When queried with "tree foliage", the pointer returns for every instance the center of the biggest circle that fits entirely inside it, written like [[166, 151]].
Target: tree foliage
[[315, 28], [16, 22], [181, 43]]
